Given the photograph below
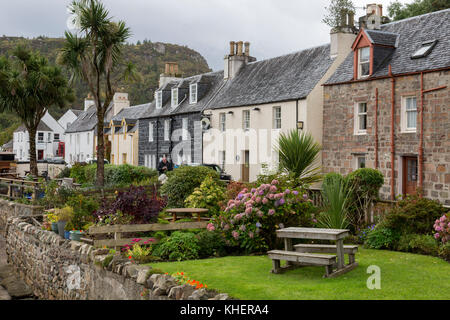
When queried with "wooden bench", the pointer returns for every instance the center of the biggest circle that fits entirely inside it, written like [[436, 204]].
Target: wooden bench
[[325, 248], [301, 258]]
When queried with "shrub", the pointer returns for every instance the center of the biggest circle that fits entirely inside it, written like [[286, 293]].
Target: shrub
[[182, 182], [442, 228], [55, 196], [444, 251], [77, 172], [64, 214], [250, 221], [233, 189], [424, 244], [208, 196], [366, 183], [210, 244], [137, 203], [382, 238], [83, 208], [414, 215], [178, 246]]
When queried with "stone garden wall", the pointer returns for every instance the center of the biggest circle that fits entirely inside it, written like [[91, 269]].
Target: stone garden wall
[[56, 268], [9, 209]]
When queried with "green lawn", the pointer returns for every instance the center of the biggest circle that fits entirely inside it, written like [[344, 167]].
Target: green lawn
[[403, 276]]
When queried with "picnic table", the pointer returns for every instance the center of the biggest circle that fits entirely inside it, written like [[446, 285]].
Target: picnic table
[[313, 254], [191, 211]]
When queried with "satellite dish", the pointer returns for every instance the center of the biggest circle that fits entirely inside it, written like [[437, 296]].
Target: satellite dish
[[206, 124]]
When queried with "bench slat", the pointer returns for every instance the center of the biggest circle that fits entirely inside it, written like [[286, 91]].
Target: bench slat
[[324, 248], [313, 259]]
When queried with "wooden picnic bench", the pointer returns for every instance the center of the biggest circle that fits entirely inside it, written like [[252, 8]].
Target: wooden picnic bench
[[191, 211], [314, 254]]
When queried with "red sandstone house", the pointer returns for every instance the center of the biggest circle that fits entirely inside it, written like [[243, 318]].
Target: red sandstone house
[[387, 105]]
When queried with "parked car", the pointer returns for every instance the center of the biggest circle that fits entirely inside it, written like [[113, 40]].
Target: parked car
[[94, 160], [223, 175]]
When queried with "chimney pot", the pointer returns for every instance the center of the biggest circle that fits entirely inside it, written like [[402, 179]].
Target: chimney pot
[[247, 48], [351, 19], [232, 46], [239, 48]]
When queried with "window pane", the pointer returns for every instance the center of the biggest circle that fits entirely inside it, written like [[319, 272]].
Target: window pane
[[362, 108], [411, 104], [365, 54], [411, 119], [365, 69], [362, 122]]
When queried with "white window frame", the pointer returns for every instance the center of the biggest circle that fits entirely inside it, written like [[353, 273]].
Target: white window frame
[[150, 131], [38, 137], [361, 62], [222, 159], [166, 130], [222, 122], [357, 115], [174, 97], [404, 115], [246, 120], [158, 99], [184, 129], [276, 118], [56, 137], [193, 93], [357, 161]]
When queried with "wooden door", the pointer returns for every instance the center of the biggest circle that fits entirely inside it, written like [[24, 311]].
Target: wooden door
[[245, 169], [40, 155], [410, 175]]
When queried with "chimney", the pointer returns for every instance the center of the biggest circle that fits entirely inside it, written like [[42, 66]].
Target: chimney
[[342, 37], [374, 14], [88, 102], [237, 58], [170, 73], [120, 101]]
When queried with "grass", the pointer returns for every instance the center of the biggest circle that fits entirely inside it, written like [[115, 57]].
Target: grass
[[403, 276]]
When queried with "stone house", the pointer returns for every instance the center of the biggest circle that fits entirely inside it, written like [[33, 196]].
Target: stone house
[[387, 106], [172, 123], [261, 99]]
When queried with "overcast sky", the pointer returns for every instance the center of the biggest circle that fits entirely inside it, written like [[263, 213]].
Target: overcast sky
[[273, 27]]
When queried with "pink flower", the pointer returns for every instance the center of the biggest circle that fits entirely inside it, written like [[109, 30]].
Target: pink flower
[[235, 235], [258, 199], [248, 210], [287, 191], [271, 212], [436, 235], [295, 193], [251, 235], [210, 227], [274, 181], [271, 196], [265, 200]]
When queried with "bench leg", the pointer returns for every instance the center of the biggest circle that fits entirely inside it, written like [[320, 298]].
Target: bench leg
[[351, 258], [276, 266], [328, 270], [288, 247]]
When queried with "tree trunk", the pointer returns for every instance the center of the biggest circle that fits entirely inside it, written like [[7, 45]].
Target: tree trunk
[[100, 149], [33, 161]]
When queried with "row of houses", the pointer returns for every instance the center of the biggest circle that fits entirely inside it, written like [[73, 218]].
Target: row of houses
[[376, 96]]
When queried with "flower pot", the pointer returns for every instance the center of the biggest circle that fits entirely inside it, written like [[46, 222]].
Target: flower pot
[[67, 235], [61, 225], [55, 227], [76, 235]]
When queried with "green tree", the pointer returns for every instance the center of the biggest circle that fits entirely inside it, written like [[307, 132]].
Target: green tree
[[94, 54], [335, 10], [399, 11], [29, 85], [299, 156]]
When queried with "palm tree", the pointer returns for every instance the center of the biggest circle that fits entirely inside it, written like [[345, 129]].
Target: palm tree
[[299, 156], [29, 85], [94, 54]]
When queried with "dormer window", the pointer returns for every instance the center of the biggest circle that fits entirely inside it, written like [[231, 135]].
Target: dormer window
[[364, 62], [158, 99], [424, 50], [193, 93], [174, 97]]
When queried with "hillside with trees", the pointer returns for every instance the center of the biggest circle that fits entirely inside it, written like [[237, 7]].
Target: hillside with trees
[[148, 57]]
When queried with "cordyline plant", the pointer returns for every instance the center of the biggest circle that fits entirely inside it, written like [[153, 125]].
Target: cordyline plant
[[94, 54], [29, 86], [251, 219]]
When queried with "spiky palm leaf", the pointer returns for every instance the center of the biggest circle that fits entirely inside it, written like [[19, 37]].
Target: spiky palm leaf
[[298, 156]]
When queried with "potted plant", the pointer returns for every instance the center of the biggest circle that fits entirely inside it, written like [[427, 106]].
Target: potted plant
[[52, 218], [64, 215], [76, 235], [67, 229]]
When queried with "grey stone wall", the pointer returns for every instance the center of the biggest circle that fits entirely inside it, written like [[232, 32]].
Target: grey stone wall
[[9, 209], [59, 269]]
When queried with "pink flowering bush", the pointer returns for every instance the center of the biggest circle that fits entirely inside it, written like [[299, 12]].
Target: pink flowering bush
[[442, 228], [251, 219]]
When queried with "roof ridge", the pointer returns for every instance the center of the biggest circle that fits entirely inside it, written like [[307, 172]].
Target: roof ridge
[[417, 17]]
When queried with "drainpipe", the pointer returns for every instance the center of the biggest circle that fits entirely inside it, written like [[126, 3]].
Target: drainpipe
[[376, 128], [392, 132], [420, 160]]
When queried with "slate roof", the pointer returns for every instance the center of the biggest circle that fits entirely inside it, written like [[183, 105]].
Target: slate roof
[[77, 112], [86, 121], [382, 37], [210, 83], [41, 127], [131, 114], [412, 32], [8, 145], [287, 77]]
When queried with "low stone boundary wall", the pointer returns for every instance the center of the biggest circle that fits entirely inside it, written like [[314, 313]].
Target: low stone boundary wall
[[56, 268], [10, 209]]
